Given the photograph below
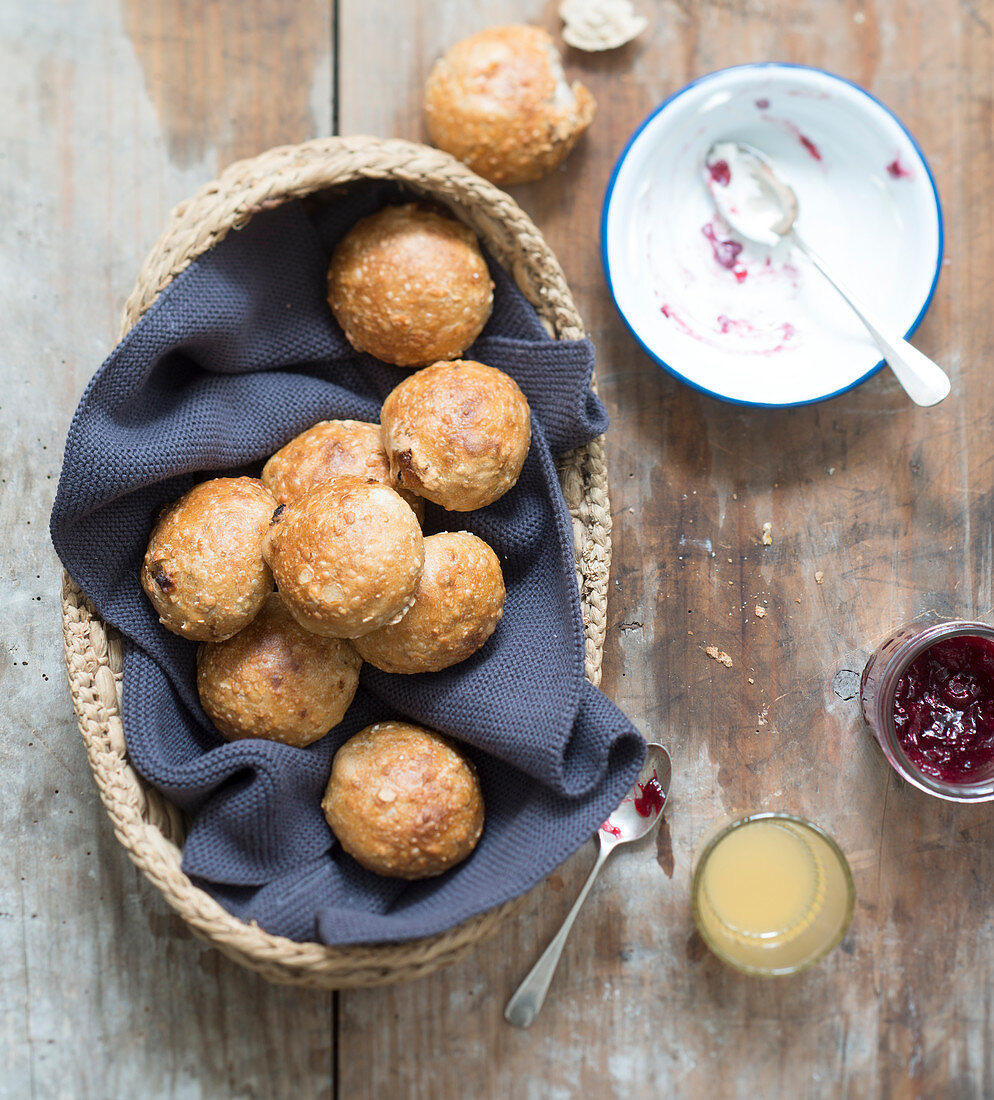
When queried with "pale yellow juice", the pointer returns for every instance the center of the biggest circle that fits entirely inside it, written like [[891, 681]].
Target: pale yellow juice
[[772, 894]]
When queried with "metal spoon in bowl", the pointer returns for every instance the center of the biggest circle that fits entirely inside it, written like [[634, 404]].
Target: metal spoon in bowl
[[636, 815], [758, 205]]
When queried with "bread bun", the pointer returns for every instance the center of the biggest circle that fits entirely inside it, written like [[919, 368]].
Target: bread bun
[[457, 605], [457, 433], [346, 556], [499, 102], [410, 286], [330, 448], [277, 681], [404, 801], [203, 569]]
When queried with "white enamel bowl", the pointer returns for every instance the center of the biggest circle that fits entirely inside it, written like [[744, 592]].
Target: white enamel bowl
[[743, 322]]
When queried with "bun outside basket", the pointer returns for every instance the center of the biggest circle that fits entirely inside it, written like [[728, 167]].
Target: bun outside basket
[[149, 827]]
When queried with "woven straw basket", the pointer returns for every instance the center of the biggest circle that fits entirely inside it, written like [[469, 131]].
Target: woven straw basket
[[148, 826]]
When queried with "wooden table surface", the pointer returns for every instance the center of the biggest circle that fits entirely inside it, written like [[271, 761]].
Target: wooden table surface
[[114, 111]]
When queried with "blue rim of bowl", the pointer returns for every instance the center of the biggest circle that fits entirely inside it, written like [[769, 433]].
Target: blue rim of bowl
[[759, 67]]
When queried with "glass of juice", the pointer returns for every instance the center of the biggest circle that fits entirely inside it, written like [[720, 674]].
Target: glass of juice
[[772, 893]]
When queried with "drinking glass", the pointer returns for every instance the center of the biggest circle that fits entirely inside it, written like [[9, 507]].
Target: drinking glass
[[772, 893]]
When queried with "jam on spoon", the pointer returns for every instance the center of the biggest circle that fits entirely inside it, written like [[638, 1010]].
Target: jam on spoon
[[944, 710], [653, 797]]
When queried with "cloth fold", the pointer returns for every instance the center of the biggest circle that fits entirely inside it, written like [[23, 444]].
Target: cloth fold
[[238, 355]]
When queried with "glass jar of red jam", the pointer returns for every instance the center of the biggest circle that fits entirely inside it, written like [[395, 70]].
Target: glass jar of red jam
[[928, 695]]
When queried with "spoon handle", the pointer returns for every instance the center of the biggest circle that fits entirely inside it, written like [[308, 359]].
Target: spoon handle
[[925, 382], [529, 997]]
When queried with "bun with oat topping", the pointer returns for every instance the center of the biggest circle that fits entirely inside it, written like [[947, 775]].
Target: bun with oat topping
[[330, 448], [346, 556], [499, 102], [404, 801], [457, 433], [203, 569], [276, 681], [457, 606], [410, 285]]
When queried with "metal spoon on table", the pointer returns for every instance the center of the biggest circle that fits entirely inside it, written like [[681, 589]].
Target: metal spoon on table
[[758, 205], [640, 810]]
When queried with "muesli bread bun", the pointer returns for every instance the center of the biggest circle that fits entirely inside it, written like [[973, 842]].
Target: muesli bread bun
[[404, 801], [409, 285], [203, 569], [276, 681], [457, 433], [457, 606], [346, 556], [499, 102], [330, 448]]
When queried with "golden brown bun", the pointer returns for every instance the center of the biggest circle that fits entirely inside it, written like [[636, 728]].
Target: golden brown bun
[[499, 102], [276, 680], [330, 448], [457, 606], [457, 433], [203, 570], [346, 556], [404, 801], [410, 286]]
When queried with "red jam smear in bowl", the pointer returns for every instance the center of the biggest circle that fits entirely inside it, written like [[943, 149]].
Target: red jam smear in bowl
[[944, 710]]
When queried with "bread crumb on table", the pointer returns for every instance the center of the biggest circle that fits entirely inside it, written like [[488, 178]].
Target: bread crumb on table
[[718, 655], [767, 534], [819, 577], [760, 611]]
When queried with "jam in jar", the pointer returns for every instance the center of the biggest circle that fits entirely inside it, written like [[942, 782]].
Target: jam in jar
[[928, 694]]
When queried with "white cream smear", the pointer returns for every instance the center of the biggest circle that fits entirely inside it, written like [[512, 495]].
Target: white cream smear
[[718, 288]]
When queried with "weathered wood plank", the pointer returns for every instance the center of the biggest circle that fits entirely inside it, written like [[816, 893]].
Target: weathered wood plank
[[114, 114], [891, 503]]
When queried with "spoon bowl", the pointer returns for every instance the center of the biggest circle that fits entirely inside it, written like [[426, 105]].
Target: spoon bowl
[[748, 193], [642, 807]]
